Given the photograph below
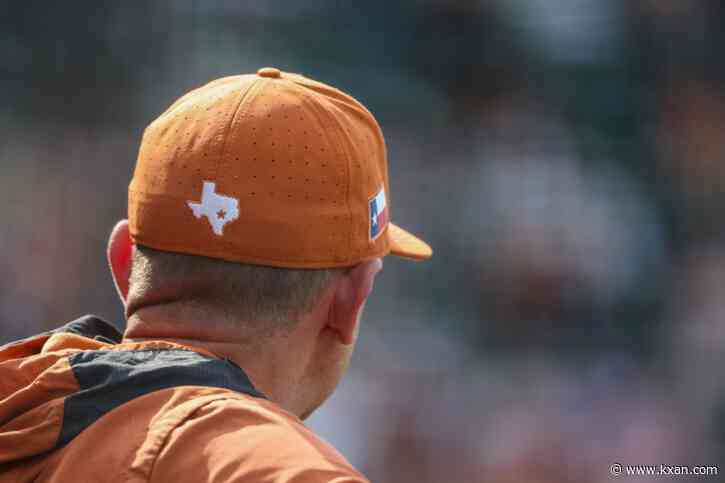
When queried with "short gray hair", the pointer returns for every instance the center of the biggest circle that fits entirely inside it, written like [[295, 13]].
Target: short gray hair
[[235, 291]]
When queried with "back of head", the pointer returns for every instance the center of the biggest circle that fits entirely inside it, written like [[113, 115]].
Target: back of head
[[257, 299], [260, 206]]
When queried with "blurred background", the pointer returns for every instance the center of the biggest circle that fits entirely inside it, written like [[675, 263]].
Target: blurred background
[[565, 158]]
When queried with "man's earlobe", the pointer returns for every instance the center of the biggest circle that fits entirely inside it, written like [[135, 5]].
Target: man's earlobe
[[351, 292], [119, 254]]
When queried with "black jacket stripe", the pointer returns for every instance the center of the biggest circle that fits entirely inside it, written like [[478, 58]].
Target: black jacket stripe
[[109, 379]]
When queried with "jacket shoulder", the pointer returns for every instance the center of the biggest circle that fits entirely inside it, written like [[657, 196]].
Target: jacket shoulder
[[235, 437]]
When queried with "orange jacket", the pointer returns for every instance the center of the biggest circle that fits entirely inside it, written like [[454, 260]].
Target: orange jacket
[[76, 405]]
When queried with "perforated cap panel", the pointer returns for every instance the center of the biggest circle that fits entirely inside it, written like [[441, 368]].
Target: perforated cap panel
[[269, 169]]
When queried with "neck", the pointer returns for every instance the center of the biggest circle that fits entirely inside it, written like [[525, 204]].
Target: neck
[[267, 360]]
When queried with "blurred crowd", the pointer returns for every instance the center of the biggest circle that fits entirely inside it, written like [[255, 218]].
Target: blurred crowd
[[563, 157]]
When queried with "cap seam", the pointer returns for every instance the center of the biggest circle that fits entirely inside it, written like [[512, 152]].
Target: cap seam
[[228, 128], [316, 106]]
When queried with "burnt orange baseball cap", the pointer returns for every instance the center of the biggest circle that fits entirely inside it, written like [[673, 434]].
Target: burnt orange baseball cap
[[270, 168]]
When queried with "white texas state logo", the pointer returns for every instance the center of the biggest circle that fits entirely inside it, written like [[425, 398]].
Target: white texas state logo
[[218, 209]]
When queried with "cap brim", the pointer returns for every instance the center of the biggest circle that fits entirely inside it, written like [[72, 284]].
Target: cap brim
[[407, 245]]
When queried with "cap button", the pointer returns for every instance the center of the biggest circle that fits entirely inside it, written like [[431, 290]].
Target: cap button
[[269, 72]]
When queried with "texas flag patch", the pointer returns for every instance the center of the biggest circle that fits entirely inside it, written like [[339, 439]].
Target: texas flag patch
[[378, 214]]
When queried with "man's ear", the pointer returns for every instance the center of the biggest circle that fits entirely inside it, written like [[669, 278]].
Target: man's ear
[[119, 253], [351, 291]]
